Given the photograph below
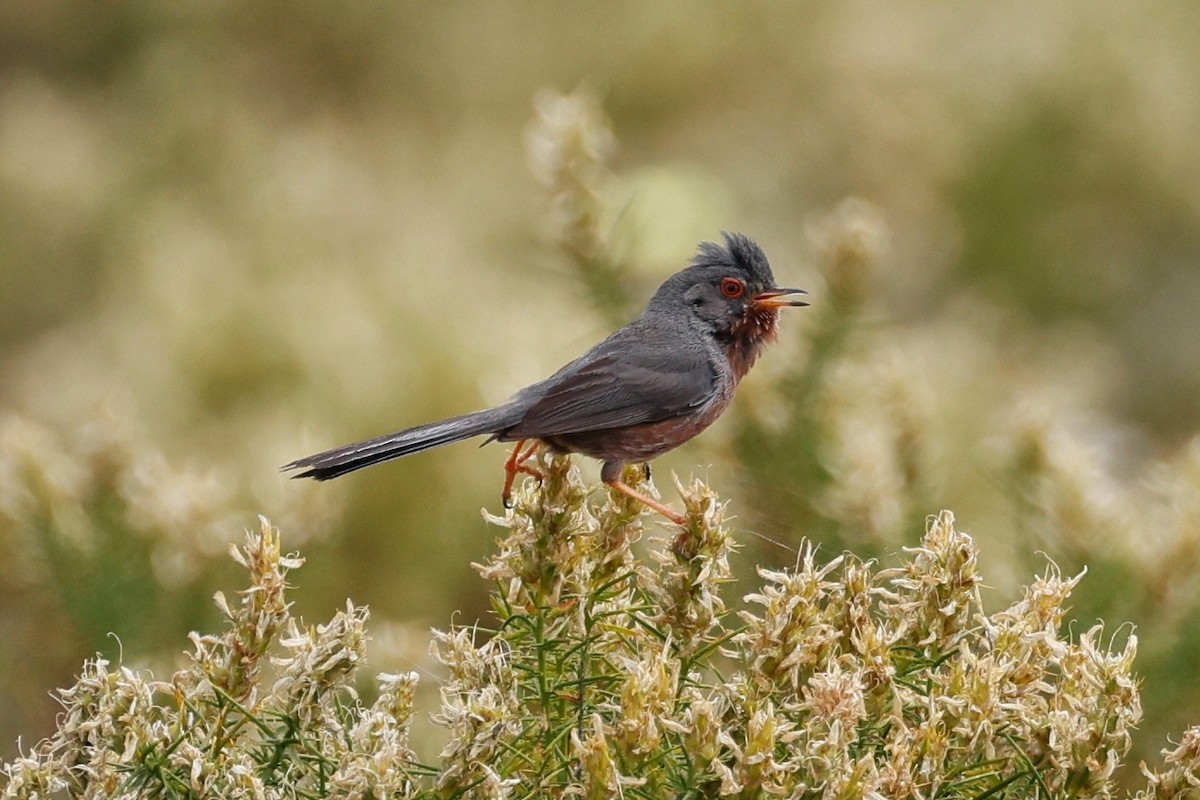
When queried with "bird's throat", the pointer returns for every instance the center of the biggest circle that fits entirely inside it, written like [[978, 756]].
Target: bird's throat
[[742, 354], [746, 340]]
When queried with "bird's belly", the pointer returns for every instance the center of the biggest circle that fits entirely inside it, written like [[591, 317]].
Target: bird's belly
[[640, 442]]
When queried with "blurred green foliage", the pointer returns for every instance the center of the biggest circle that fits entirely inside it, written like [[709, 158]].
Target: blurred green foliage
[[230, 236]]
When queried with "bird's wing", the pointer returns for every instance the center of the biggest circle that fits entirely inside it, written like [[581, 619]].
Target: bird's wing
[[618, 383]]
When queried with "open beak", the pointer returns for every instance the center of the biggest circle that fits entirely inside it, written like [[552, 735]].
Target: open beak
[[778, 298]]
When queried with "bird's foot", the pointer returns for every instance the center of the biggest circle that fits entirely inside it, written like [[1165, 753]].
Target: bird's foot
[[649, 502], [506, 496], [514, 466]]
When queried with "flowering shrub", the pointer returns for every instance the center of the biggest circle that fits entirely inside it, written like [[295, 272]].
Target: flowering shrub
[[612, 672]]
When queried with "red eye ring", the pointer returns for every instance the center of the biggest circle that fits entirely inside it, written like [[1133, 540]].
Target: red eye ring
[[733, 287]]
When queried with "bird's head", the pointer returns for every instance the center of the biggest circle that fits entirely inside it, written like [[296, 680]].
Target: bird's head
[[730, 291]]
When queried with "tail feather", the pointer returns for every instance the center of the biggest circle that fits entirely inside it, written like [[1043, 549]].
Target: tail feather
[[341, 460]]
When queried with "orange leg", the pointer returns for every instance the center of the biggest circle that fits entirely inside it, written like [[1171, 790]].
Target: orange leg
[[666, 511], [515, 465]]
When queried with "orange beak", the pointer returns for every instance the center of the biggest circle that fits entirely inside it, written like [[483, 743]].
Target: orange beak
[[778, 298]]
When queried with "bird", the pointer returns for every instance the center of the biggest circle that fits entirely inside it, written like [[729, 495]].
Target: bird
[[646, 389]]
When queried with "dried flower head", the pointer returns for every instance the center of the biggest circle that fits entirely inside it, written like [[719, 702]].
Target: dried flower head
[[569, 145], [691, 566], [938, 589], [1181, 776], [231, 663], [850, 240]]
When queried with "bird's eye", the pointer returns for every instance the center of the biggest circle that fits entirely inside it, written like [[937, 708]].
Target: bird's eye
[[733, 287]]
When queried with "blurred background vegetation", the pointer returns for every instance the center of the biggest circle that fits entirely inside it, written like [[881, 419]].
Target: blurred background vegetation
[[233, 235]]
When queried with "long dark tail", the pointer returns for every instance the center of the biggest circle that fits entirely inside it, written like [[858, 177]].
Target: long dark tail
[[341, 460]]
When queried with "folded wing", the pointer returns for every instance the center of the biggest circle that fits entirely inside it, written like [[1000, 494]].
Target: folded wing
[[616, 386]]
